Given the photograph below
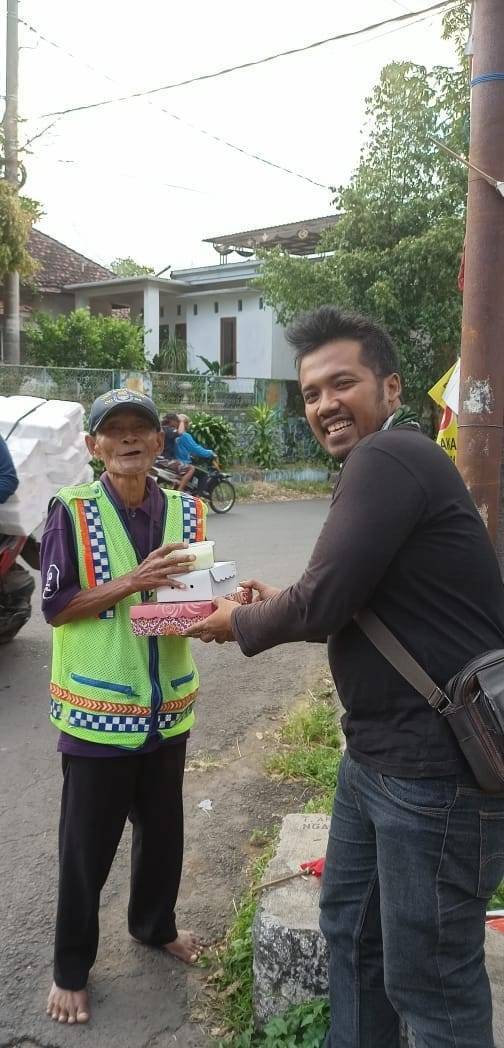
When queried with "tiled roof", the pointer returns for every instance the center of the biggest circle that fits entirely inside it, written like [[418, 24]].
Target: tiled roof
[[60, 265]]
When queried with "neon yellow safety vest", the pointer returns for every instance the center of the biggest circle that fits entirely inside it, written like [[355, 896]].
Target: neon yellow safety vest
[[108, 685]]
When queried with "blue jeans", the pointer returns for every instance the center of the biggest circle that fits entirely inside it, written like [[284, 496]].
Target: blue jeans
[[410, 866]]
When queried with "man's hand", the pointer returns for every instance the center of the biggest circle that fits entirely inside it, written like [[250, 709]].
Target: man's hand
[[261, 589], [157, 568], [217, 626]]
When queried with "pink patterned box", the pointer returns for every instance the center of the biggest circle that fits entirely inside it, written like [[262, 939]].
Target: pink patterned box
[[160, 620], [165, 620]]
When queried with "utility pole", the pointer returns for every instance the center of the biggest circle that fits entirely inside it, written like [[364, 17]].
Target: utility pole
[[11, 280], [481, 406]]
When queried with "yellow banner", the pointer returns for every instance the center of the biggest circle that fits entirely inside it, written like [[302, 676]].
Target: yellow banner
[[436, 393], [447, 436]]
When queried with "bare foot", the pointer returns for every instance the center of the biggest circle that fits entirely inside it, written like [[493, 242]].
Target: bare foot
[[187, 947], [68, 1006]]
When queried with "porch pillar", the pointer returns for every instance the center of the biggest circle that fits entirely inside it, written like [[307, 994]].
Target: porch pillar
[[151, 321]]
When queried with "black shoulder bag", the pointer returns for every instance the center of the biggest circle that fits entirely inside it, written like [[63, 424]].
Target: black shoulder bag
[[472, 701]]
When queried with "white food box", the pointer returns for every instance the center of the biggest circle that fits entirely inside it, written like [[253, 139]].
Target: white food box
[[218, 581], [56, 422]]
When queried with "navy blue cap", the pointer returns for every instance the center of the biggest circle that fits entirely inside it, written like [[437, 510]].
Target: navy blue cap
[[121, 398]]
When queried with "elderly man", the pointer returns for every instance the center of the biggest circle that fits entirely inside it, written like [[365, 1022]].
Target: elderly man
[[123, 704], [415, 848]]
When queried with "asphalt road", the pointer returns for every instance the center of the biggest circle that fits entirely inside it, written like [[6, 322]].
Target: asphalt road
[[139, 996]]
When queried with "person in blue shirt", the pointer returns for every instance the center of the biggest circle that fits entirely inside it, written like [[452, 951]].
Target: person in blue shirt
[[187, 447], [8, 476], [172, 426]]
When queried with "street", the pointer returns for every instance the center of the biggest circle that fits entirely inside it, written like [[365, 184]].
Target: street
[[140, 996]]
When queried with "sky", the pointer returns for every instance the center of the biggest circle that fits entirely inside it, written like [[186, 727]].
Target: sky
[[135, 178]]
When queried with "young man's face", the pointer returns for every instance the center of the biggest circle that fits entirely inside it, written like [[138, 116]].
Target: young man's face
[[127, 443], [344, 399]]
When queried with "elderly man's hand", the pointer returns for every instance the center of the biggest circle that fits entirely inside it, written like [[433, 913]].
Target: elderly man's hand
[[217, 626], [156, 570]]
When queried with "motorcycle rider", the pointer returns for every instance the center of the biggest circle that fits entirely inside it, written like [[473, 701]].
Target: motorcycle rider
[[188, 448], [173, 426]]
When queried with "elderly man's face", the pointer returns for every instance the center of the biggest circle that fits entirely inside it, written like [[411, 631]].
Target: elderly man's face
[[127, 443]]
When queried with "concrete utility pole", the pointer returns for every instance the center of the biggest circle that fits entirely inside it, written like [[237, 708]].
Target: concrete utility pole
[[11, 280], [481, 406]]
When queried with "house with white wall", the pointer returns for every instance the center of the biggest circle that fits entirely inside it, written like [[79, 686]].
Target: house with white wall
[[217, 310]]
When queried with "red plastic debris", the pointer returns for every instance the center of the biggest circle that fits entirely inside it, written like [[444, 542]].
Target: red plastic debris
[[497, 923], [315, 867]]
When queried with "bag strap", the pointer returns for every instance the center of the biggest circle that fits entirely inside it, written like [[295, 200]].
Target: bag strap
[[388, 645]]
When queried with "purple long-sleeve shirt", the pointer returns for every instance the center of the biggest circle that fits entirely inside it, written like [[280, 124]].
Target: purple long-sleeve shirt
[[60, 576]]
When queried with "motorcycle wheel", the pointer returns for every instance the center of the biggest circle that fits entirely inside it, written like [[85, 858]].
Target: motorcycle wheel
[[222, 496]]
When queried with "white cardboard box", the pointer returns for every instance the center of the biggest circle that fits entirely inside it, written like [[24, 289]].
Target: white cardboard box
[[219, 581]]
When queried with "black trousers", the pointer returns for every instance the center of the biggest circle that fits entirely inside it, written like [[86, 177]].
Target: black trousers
[[98, 796]]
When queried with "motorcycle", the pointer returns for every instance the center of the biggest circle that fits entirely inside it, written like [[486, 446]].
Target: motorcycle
[[16, 584], [209, 483]]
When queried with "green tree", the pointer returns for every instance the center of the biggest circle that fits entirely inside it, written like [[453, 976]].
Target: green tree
[[395, 252], [127, 267], [17, 215], [81, 340]]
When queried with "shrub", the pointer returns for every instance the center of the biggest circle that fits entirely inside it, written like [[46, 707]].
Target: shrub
[[213, 431], [81, 340], [265, 436]]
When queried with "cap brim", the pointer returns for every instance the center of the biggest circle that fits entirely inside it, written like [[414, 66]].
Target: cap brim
[[129, 406]]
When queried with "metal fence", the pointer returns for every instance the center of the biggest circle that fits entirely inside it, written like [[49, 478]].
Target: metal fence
[[169, 390], [230, 397]]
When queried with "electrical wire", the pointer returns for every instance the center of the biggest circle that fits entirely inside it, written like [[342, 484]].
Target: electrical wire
[[349, 34], [173, 116]]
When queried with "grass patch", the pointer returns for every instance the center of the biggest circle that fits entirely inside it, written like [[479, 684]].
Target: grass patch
[[244, 491], [261, 490], [259, 838], [308, 487], [310, 748], [497, 900], [232, 981]]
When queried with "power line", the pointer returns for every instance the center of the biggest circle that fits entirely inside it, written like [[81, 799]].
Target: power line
[[406, 17], [68, 162], [173, 116]]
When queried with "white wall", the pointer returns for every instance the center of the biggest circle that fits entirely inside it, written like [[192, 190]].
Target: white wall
[[282, 364], [253, 330], [169, 305]]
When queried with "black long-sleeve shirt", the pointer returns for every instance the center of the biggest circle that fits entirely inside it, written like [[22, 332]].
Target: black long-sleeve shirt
[[403, 537]]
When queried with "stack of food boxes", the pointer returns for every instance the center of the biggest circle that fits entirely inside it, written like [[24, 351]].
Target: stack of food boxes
[[46, 441], [174, 610]]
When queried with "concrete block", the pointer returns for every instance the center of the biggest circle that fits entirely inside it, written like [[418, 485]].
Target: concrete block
[[290, 954]]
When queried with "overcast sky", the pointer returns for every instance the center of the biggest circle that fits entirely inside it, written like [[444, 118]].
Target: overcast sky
[[129, 179]]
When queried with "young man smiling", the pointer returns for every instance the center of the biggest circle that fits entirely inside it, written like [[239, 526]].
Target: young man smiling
[[123, 704], [415, 848]]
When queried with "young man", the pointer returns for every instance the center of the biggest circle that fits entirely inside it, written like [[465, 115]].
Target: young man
[[415, 848], [123, 704]]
